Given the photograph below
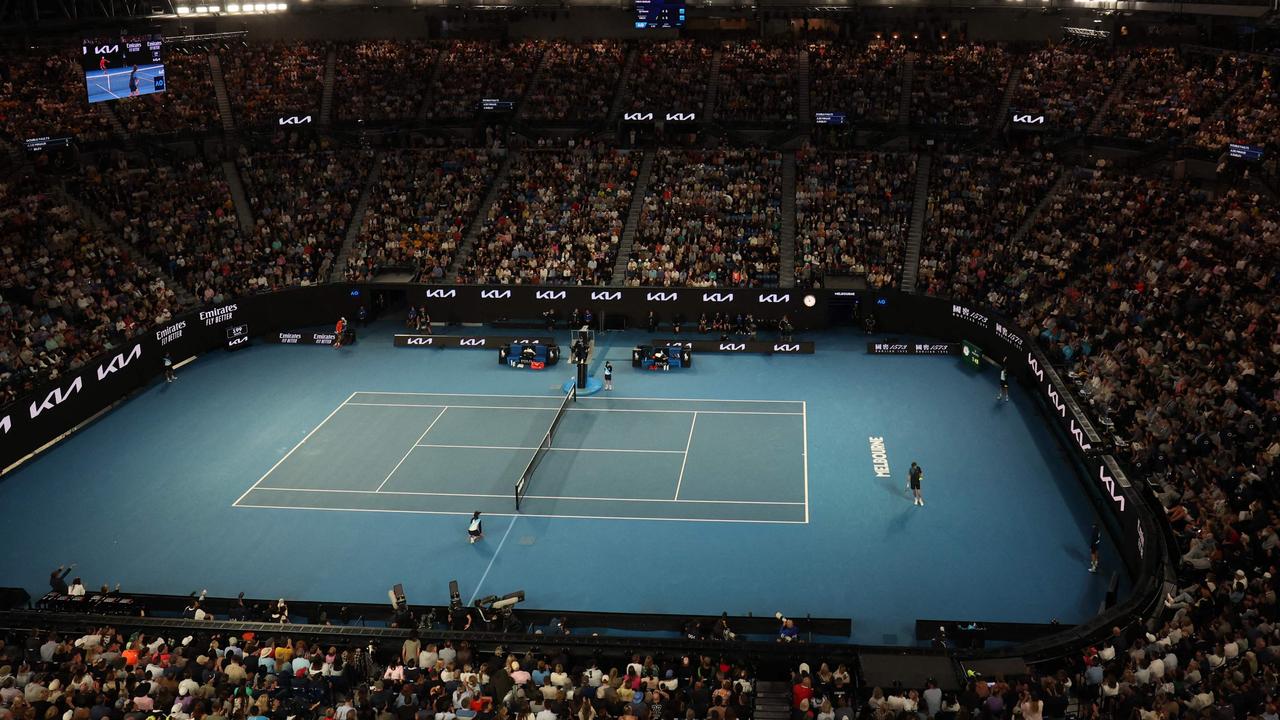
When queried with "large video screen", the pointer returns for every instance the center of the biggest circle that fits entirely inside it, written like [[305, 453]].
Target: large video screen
[[127, 66]]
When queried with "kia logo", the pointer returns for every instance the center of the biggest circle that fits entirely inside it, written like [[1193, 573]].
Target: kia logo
[[550, 295], [717, 297], [775, 298], [1109, 483], [1029, 119], [105, 49], [661, 296], [733, 347], [681, 117], [606, 295], [119, 361], [6, 424], [56, 397], [419, 341], [525, 341], [441, 293], [786, 348], [464, 342], [295, 120], [635, 116], [495, 294]]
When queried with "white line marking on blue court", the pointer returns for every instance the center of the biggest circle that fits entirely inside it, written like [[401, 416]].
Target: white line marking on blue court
[[579, 409], [546, 397], [525, 514], [557, 449], [411, 448], [688, 443], [532, 497], [295, 447], [805, 452], [495, 557]]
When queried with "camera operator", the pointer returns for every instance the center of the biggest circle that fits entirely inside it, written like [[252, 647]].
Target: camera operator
[[459, 618]]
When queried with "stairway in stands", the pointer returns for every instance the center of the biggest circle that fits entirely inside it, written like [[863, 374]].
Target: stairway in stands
[[628, 238], [432, 78], [713, 86], [1010, 89], [326, 98], [1034, 215], [908, 80], [490, 197], [220, 92], [114, 120], [787, 244], [620, 92], [339, 272], [915, 236], [534, 79], [803, 114], [1095, 126], [244, 213], [773, 700]]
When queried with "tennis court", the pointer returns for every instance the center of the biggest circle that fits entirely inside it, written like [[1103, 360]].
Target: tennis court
[[114, 84], [621, 458]]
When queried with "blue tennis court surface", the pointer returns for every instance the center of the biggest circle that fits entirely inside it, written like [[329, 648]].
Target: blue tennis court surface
[[113, 84], [612, 458]]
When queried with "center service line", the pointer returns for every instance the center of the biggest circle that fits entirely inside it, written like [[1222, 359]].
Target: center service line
[[495, 557], [411, 447], [687, 445]]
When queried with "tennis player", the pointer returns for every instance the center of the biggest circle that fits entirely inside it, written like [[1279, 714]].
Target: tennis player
[[914, 476], [1004, 380], [608, 375], [102, 62], [475, 529], [168, 368], [1095, 540], [133, 81]]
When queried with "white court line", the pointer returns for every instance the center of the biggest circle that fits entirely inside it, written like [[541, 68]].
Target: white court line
[[585, 397], [295, 447], [534, 497], [558, 449], [410, 450], [495, 557], [467, 513], [805, 453], [688, 443], [551, 409]]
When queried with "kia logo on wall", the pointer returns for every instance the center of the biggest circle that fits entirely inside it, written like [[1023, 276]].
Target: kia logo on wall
[[550, 295], [606, 295], [681, 117], [786, 348], [105, 49], [1028, 119], [419, 341], [495, 294], [441, 293], [733, 347], [775, 298], [295, 120], [661, 296], [637, 117], [119, 361], [717, 297], [476, 342], [56, 397]]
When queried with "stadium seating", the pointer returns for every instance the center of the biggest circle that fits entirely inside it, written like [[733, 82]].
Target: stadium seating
[[959, 86], [669, 76], [473, 70], [710, 218], [43, 95], [557, 220], [577, 83], [378, 80], [1174, 96], [757, 81], [419, 211], [1067, 85], [863, 81], [266, 81], [187, 105]]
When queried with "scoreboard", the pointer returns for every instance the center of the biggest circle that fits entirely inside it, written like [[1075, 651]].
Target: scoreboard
[[657, 14]]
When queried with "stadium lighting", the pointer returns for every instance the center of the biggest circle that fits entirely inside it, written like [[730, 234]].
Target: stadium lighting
[[184, 10], [201, 9], [233, 8]]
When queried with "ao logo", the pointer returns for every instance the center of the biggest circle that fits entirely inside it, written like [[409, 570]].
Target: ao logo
[[495, 294], [296, 120], [474, 342], [661, 296], [733, 347], [441, 293], [56, 397], [775, 298], [550, 295], [119, 361], [786, 348], [681, 117], [637, 116], [606, 295], [717, 297], [105, 49], [1029, 119]]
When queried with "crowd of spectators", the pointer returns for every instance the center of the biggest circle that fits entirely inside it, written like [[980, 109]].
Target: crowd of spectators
[[710, 218], [472, 70], [302, 203], [558, 218], [420, 209], [43, 94], [757, 81], [379, 80], [266, 81], [669, 76], [864, 81], [1067, 85], [179, 214], [67, 292], [852, 215], [187, 105], [1252, 119], [577, 82], [976, 204], [960, 86], [1172, 95]]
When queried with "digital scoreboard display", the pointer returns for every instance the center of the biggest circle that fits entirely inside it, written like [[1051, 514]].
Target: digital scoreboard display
[[1244, 152], [44, 143], [657, 14], [829, 118], [127, 66], [497, 105]]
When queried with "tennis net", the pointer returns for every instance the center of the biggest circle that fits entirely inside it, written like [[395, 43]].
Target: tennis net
[[522, 485]]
